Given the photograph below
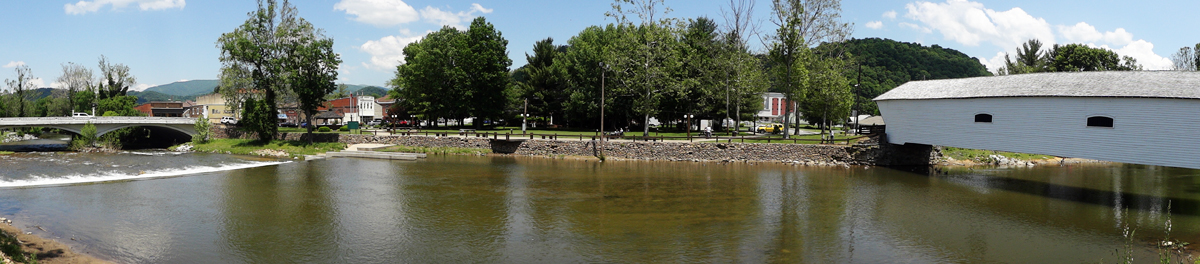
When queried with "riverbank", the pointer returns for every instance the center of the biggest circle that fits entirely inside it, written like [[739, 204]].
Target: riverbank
[[43, 250], [275, 148]]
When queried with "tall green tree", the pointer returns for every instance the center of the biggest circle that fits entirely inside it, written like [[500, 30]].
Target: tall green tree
[[275, 53], [115, 79], [253, 50], [488, 65], [432, 79], [591, 56], [542, 81], [311, 67], [19, 89], [1079, 57]]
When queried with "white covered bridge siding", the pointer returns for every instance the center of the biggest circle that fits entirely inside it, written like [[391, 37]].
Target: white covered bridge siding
[[1150, 118], [103, 124]]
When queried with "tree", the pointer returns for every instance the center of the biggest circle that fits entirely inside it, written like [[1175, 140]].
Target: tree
[[19, 87], [312, 67], [77, 79], [274, 54], [744, 79], [203, 130], [1078, 57], [1186, 59], [542, 81], [488, 67], [432, 80], [115, 79], [341, 91], [802, 25]]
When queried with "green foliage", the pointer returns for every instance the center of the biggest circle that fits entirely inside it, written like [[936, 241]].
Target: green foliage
[[1066, 58], [259, 118], [375, 91], [883, 64], [122, 105], [541, 81], [324, 129], [275, 52], [1079, 57], [203, 130], [86, 137], [11, 247], [454, 74], [111, 113], [344, 128]]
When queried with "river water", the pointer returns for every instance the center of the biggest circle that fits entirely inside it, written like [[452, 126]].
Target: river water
[[163, 207]]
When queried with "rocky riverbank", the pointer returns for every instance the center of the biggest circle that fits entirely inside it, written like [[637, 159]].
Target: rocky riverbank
[[46, 251]]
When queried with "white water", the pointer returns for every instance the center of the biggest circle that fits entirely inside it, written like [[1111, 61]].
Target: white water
[[39, 181]]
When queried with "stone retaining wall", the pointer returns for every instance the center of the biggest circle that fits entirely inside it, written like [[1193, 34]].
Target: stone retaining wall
[[869, 153]]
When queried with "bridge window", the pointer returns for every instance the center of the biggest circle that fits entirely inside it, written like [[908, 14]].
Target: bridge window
[[1100, 121], [983, 118]]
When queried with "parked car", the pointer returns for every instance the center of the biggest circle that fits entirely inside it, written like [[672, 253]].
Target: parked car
[[80, 114], [287, 124], [769, 128], [228, 120], [375, 122]]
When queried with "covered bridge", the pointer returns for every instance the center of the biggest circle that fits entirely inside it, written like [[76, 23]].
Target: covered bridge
[[1141, 117]]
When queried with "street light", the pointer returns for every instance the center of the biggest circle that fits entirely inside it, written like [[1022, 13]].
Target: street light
[[689, 125]]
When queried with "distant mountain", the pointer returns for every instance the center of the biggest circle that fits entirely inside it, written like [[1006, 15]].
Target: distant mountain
[[186, 88], [150, 96], [375, 91]]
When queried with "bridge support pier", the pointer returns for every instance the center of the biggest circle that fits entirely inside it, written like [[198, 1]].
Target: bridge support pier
[[888, 154]]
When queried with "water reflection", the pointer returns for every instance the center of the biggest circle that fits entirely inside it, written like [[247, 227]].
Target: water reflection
[[531, 210]]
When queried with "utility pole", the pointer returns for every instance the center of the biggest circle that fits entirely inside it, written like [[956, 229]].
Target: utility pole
[[689, 126], [525, 115], [603, 70]]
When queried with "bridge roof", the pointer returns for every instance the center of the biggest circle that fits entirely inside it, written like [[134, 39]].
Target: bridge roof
[[1146, 84]]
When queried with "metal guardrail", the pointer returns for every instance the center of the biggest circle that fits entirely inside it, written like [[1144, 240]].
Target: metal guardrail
[[97, 120]]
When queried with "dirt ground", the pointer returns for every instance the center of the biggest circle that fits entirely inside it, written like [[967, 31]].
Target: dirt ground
[[48, 251]]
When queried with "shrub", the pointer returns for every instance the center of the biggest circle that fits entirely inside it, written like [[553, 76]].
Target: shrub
[[344, 128], [202, 130], [324, 129]]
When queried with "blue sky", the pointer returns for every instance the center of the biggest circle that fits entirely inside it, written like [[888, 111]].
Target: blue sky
[[165, 41]]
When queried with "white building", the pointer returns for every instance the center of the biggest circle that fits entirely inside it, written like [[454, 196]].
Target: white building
[[774, 107], [1133, 117]]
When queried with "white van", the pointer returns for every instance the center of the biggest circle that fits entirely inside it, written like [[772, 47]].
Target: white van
[[80, 114]]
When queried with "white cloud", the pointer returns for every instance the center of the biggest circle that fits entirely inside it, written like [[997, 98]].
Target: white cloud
[[14, 64], [379, 12], [58, 85], [890, 14], [387, 52], [1082, 32], [1143, 51], [875, 24], [140, 87], [84, 7], [916, 27], [445, 18], [970, 23], [38, 83]]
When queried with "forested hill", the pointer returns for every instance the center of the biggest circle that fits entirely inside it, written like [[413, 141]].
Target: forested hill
[[888, 63]]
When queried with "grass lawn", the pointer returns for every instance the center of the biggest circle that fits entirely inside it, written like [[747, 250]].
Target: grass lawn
[[982, 155], [6, 152], [247, 146]]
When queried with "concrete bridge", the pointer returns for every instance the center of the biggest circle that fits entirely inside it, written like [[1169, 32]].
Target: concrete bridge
[[103, 124]]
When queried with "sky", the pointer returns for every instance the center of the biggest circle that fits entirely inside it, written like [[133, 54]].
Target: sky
[[165, 41]]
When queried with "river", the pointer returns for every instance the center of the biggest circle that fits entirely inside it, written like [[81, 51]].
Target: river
[[164, 207]]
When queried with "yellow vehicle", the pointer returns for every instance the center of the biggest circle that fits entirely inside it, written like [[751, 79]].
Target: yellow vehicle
[[776, 128]]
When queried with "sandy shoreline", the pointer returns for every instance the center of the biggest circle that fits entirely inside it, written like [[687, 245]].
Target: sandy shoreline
[[48, 251]]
